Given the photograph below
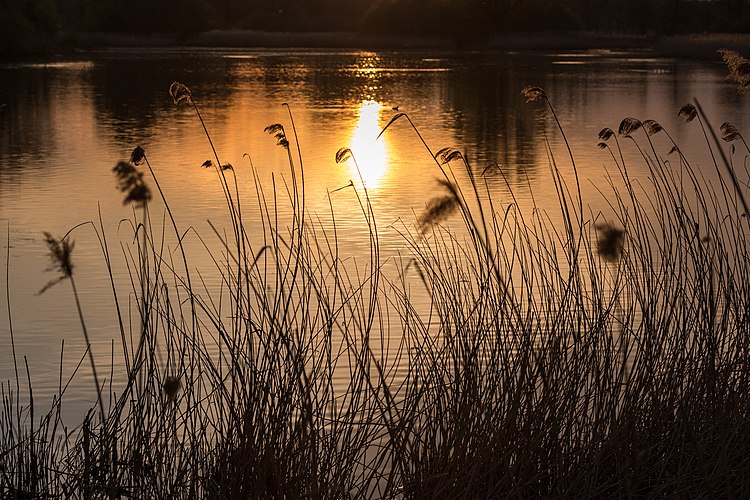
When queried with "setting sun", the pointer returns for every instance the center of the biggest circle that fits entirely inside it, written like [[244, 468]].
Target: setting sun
[[224, 278], [371, 154]]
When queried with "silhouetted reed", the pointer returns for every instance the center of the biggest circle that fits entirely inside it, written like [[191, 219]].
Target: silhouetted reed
[[60, 255], [739, 69], [439, 208], [556, 355], [610, 242], [131, 183]]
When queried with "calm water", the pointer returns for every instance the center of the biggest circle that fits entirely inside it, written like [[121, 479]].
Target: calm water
[[64, 124]]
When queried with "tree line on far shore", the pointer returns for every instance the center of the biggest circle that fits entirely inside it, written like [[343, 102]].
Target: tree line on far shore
[[31, 25]]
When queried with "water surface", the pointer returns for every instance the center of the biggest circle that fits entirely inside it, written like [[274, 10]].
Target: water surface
[[64, 123]]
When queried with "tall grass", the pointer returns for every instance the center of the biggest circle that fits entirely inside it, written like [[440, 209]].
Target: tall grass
[[589, 358]]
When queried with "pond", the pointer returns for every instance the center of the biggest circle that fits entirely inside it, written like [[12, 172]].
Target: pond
[[64, 123]]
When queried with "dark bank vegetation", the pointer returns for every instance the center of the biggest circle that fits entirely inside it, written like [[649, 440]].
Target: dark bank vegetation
[[592, 357], [45, 25]]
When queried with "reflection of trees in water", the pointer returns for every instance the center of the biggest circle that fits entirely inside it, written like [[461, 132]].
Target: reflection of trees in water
[[26, 128], [131, 95], [491, 122], [322, 80], [478, 97], [128, 96]]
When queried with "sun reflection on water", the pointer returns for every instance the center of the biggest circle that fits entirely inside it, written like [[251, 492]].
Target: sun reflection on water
[[371, 155]]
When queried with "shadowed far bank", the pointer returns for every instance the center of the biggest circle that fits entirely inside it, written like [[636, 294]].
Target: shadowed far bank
[[697, 46], [45, 26]]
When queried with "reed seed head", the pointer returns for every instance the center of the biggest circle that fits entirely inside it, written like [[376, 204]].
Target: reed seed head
[[343, 154], [610, 242], [180, 92], [688, 112], [131, 182], [492, 166], [729, 132], [739, 69], [393, 120], [59, 252], [628, 126], [277, 130], [447, 155], [172, 386], [450, 187], [652, 127], [227, 166], [207, 164], [439, 208], [606, 134], [533, 93], [138, 155]]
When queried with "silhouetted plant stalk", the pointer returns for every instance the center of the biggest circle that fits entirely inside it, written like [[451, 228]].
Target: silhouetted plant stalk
[[137, 157], [623, 373], [60, 254], [480, 237], [10, 329], [179, 93], [727, 163], [138, 194], [534, 94]]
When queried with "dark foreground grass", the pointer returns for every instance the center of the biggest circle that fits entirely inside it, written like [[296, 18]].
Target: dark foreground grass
[[562, 355]]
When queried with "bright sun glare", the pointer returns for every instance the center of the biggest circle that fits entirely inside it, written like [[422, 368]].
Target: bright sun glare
[[371, 155]]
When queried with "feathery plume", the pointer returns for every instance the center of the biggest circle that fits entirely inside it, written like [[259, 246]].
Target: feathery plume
[[277, 130], [343, 154], [131, 182], [172, 386], [628, 126], [610, 242], [739, 69], [491, 166], [393, 120], [60, 261], [179, 92], [606, 134], [688, 112], [138, 155], [439, 208], [447, 155], [652, 127], [729, 132], [533, 93]]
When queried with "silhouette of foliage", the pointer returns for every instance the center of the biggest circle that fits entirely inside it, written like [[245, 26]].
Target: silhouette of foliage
[[32, 25]]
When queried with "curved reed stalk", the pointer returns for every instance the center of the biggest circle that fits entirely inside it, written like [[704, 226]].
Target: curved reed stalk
[[552, 355]]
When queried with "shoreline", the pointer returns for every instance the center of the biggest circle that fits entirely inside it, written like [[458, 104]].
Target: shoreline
[[696, 46]]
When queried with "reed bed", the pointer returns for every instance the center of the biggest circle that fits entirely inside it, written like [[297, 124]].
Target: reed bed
[[560, 356]]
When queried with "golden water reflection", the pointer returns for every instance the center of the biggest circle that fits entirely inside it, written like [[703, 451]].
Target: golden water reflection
[[371, 155]]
